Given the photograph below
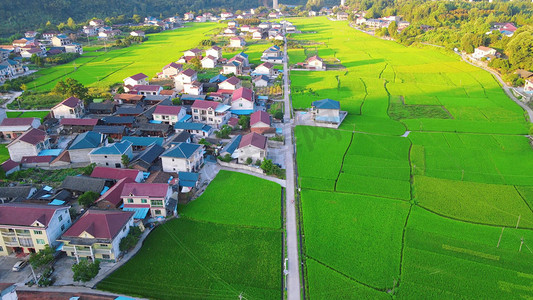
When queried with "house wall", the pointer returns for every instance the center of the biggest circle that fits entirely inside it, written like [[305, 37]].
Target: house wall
[[139, 200], [170, 72], [129, 81], [170, 119], [115, 244], [262, 70], [80, 155], [174, 165], [20, 149], [64, 111], [214, 53], [57, 227], [208, 63], [231, 69], [228, 86], [109, 160], [528, 86], [251, 151], [241, 104], [261, 83], [327, 112]]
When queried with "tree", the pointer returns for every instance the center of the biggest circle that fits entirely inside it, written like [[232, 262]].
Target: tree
[[196, 64], [393, 29], [85, 270], [224, 132], [71, 88], [125, 160], [244, 122], [249, 161], [88, 198], [42, 258], [520, 50], [267, 165], [130, 240], [71, 24], [136, 18]]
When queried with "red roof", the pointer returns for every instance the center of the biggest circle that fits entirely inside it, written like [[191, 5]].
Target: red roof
[[114, 173], [101, 224], [232, 80], [233, 121], [205, 104], [266, 65], [22, 214], [236, 38], [195, 50], [260, 116], [143, 87], [32, 136], [167, 92], [36, 159], [150, 190], [17, 121], [242, 93], [188, 72], [312, 58], [216, 48], [173, 65], [138, 77], [71, 102], [113, 194], [253, 139], [79, 122], [167, 110], [9, 165]]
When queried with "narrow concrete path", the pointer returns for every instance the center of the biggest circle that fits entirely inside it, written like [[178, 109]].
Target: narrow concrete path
[[293, 276], [262, 176], [70, 289]]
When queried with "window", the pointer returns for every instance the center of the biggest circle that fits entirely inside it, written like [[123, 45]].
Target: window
[[105, 156], [62, 227], [40, 241], [1, 248], [130, 200], [144, 201], [157, 202], [196, 117], [157, 212], [107, 164], [37, 232], [103, 245], [123, 229], [105, 256], [240, 104], [71, 111], [195, 110], [60, 218]]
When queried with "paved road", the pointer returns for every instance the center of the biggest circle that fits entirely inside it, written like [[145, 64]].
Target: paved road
[[68, 289], [506, 89], [262, 176], [293, 278]]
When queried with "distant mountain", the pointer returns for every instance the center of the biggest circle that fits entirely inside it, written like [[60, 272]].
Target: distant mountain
[[22, 15]]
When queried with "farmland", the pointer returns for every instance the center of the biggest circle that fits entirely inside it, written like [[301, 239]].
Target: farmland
[[99, 68], [28, 114], [224, 243], [441, 210]]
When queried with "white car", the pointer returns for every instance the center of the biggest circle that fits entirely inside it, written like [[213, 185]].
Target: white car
[[19, 265]]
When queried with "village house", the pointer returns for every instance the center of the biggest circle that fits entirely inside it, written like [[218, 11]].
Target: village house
[[183, 157], [96, 22], [111, 155], [316, 63], [261, 122], [528, 86], [184, 77], [342, 16], [97, 234], [230, 84], [242, 101], [137, 33], [483, 51], [326, 111], [28, 228], [140, 143], [152, 196], [114, 132], [188, 16], [9, 166], [144, 160], [16, 193], [193, 88], [77, 185], [74, 48], [90, 30], [195, 52], [232, 67], [209, 62], [230, 31], [70, 125], [137, 79], [210, 112], [215, 52], [252, 145], [260, 81], [31, 34], [60, 40], [83, 144], [266, 69], [257, 35], [69, 108], [147, 89], [102, 108], [29, 143], [12, 128], [170, 70], [237, 42], [197, 129], [168, 114], [111, 198], [118, 121], [272, 55], [115, 174]]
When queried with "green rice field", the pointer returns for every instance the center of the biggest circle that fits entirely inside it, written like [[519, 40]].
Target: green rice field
[[215, 250], [426, 190]]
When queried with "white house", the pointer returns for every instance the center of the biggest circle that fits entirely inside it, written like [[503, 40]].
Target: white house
[[326, 111], [11, 128], [69, 108], [137, 79], [232, 68], [252, 145], [29, 143], [237, 42], [528, 87], [316, 63], [483, 51], [210, 112], [183, 157], [169, 114], [230, 84], [137, 33], [184, 77], [111, 155], [83, 144], [242, 101], [215, 52], [152, 196], [260, 81], [209, 62], [193, 88], [170, 70], [266, 69]]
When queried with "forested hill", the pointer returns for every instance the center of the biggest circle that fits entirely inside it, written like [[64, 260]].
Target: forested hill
[[22, 15]]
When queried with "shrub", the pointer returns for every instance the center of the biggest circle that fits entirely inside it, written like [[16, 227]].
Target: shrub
[[85, 270]]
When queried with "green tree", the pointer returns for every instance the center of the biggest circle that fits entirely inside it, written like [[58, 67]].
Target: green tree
[[85, 270], [249, 161], [196, 63], [137, 18], [130, 240], [71, 24], [224, 132], [42, 258], [125, 160], [88, 198], [520, 50], [71, 88], [176, 101], [393, 29], [244, 122], [267, 165]]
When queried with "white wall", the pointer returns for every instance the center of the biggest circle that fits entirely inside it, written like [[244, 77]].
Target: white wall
[[54, 226]]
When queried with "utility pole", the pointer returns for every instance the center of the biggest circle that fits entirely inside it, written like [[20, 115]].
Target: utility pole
[[499, 240], [518, 222], [521, 243]]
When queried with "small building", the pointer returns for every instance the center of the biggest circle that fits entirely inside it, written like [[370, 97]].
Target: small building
[[215, 52], [210, 112], [342, 16], [257, 35], [111, 198], [111, 155], [326, 111], [209, 62], [83, 144], [146, 158], [198, 129], [147, 89], [69, 108], [252, 145], [242, 101], [183, 157], [528, 86], [261, 122], [231, 84], [78, 185], [16, 193], [12, 128], [119, 121], [97, 234], [137, 33], [260, 81], [266, 69], [158, 130], [9, 166], [184, 77], [152, 196], [30, 143], [140, 143], [102, 108], [168, 114], [170, 70], [70, 125], [195, 52], [316, 63], [28, 228], [237, 42], [60, 40], [483, 51], [187, 181], [233, 67], [217, 79], [193, 88], [114, 132], [137, 79]]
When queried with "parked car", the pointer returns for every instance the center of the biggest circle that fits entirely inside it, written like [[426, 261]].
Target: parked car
[[19, 265]]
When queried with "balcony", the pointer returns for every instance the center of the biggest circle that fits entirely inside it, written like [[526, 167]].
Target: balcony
[[8, 233], [12, 243], [102, 251], [22, 233]]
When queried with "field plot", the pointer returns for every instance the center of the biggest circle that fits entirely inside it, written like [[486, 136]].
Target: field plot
[[418, 214], [218, 248], [4, 154], [106, 68], [28, 114]]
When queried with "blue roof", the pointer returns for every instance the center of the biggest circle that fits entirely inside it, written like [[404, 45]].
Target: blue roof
[[181, 150], [140, 213], [51, 152], [243, 54], [104, 190], [56, 202], [232, 145], [327, 104], [189, 176], [143, 141], [185, 119], [155, 122], [89, 139], [217, 79], [193, 97], [262, 97], [116, 148], [328, 119], [242, 111], [192, 126], [222, 108]]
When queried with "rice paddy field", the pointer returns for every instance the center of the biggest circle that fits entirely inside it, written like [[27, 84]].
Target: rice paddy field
[[223, 244], [99, 68], [426, 189]]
